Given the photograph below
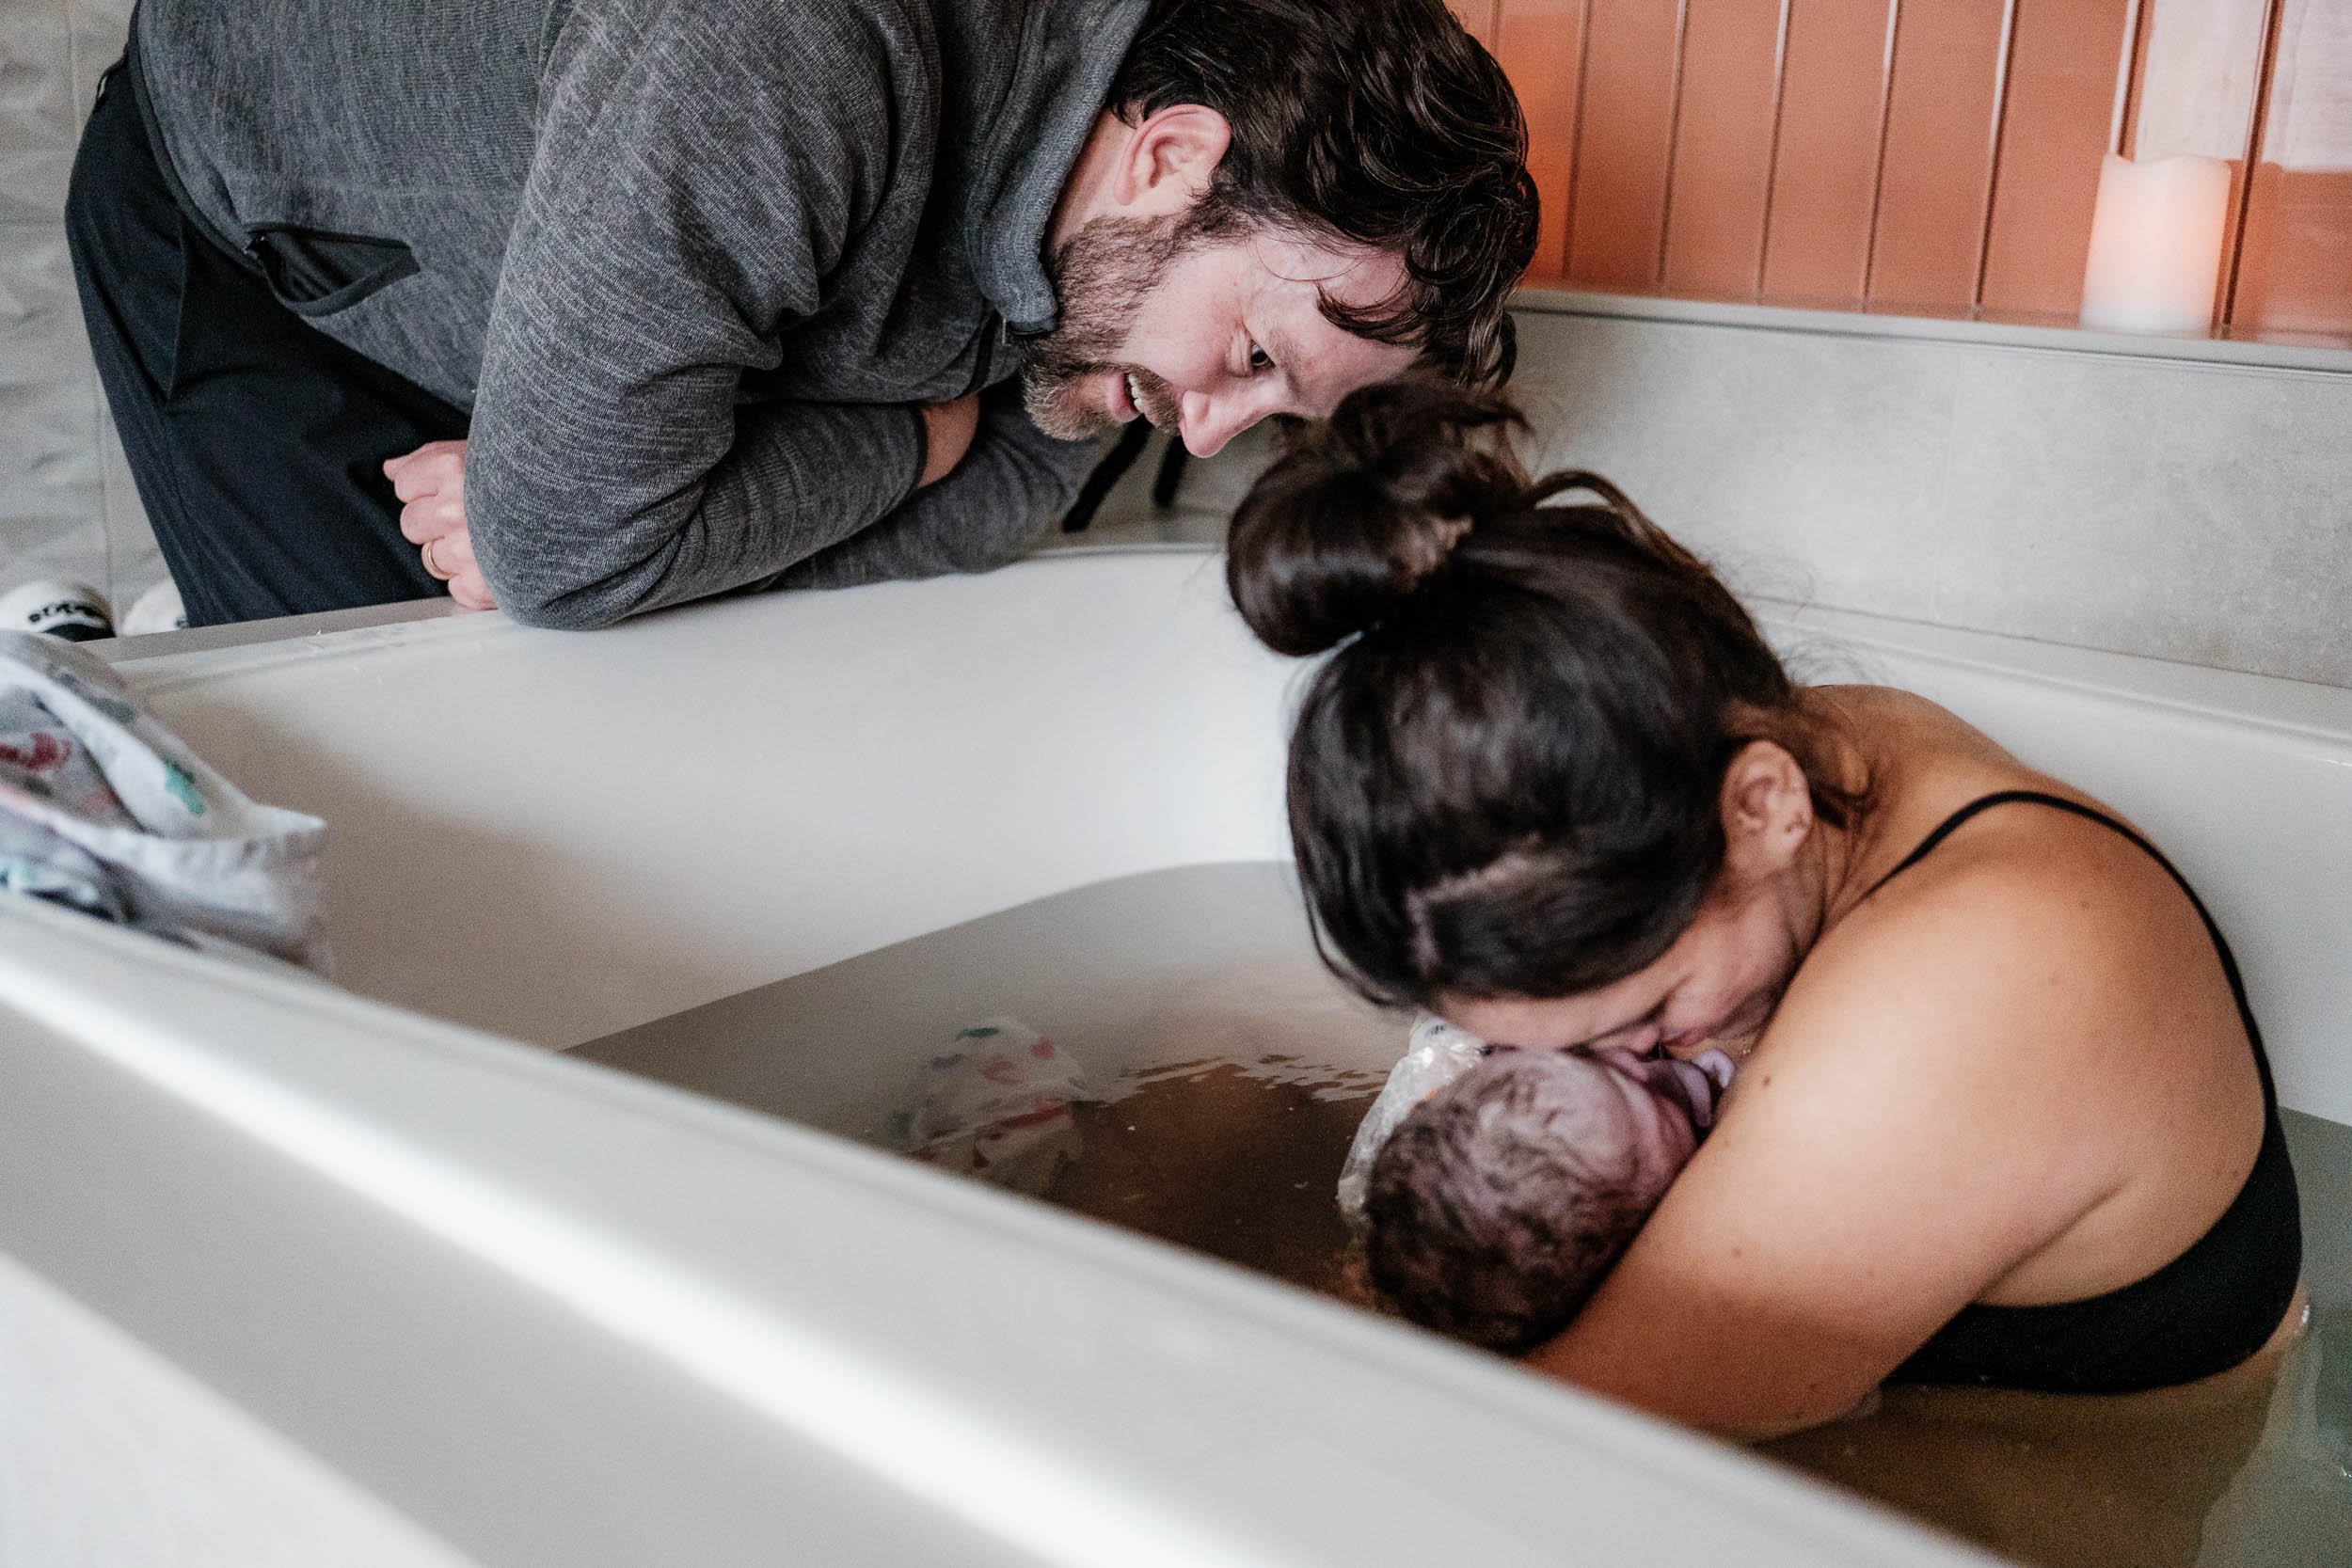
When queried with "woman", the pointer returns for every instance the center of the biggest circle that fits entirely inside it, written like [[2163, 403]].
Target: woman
[[2002, 1114]]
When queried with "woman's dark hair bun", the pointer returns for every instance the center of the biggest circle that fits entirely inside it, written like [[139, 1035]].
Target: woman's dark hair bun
[[1362, 514]]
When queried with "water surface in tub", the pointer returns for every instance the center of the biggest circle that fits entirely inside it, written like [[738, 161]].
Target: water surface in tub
[[1234, 1069]]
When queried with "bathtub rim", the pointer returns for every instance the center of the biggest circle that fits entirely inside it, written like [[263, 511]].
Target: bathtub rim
[[285, 1055], [2277, 702]]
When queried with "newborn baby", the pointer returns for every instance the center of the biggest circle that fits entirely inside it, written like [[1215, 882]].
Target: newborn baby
[[1499, 1203]]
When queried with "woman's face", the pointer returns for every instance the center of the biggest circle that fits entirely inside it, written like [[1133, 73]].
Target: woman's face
[[1715, 987]]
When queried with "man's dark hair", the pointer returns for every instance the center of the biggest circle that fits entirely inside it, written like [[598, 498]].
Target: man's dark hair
[[1378, 122]]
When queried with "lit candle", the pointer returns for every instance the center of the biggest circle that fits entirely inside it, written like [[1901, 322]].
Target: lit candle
[[2155, 245]]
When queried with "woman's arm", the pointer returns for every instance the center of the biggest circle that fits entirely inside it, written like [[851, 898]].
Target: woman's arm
[[1911, 1130]]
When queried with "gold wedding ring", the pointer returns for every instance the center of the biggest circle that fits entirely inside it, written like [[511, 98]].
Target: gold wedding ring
[[432, 570]]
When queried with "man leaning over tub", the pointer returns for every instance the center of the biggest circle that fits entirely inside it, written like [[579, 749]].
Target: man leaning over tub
[[590, 307]]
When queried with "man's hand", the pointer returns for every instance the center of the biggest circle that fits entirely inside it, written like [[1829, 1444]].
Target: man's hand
[[431, 484], [949, 427]]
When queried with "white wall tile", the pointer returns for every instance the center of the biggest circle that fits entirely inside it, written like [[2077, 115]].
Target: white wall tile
[[61, 515], [2182, 510], [1803, 465], [51, 503], [2201, 512]]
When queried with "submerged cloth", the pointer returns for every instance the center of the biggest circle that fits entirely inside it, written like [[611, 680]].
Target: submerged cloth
[[995, 1105], [104, 811], [2202, 1313], [690, 264]]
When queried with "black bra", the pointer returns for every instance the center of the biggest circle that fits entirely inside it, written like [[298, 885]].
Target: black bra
[[2205, 1311]]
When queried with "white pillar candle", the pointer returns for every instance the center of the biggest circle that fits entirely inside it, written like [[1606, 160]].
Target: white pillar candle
[[2155, 245]]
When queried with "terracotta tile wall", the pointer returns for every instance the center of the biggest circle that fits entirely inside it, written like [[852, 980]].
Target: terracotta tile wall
[[1936, 157], [1825, 160], [2294, 275], [1721, 174]]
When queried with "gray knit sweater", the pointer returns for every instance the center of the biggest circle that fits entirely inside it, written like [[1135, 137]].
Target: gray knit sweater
[[693, 264]]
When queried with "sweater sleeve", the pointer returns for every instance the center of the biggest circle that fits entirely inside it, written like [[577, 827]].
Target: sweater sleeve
[[1013, 483], [700, 170]]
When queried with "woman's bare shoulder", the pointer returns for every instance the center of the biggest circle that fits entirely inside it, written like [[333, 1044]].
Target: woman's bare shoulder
[[1893, 1147], [2033, 922], [1954, 1104]]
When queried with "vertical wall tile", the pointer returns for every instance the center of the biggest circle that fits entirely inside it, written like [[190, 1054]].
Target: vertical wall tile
[[1540, 43], [60, 515], [2197, 81], [37, 109], [2294, 266], [1477, 17], [51, 501], [36, 87], [1624, 128], [1723, 140], [2200, 66], [2064, 56], [2295, 277], [1935, 182], [1826, 164]]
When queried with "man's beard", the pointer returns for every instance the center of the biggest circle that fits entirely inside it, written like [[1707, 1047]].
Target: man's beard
[[1102, 276]]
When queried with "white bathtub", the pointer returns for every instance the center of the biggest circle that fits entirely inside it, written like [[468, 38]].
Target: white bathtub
[[291, 1275]]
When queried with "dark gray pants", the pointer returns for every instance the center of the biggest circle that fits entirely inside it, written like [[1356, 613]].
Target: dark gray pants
[[256, 441]]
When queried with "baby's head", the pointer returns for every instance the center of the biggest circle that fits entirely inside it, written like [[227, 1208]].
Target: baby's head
[[1498, 1206]]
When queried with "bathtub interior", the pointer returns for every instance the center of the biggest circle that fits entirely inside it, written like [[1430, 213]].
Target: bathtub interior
[[553, 837], [549, 839]]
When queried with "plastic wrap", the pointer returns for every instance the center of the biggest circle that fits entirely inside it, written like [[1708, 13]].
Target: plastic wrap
[[1436, 1054]]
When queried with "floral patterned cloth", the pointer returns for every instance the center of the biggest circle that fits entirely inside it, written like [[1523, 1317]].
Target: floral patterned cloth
[[995, 1105], [104, 811]]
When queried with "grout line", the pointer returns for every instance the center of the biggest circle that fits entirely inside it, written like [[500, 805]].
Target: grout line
[[2127, 75], [1878, 177], [1772, 151], [1576, 137], [2265, 82], [1673, 139], [1992, 162]]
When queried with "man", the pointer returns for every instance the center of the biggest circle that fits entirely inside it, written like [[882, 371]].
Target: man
[[590, 307]]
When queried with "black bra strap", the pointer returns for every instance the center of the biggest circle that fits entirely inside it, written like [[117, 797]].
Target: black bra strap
[[2221, 945]]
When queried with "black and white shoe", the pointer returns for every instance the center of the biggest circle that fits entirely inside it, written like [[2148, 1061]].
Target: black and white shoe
[[74, 611], [157, 609]]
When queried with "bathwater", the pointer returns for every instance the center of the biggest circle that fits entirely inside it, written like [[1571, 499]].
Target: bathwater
[[1230, 1070]]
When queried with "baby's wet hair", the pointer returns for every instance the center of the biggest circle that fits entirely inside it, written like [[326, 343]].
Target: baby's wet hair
[[1498, 1205]]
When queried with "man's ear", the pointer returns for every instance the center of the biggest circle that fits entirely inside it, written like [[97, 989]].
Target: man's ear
[[1167, 161], [1767, 806]]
